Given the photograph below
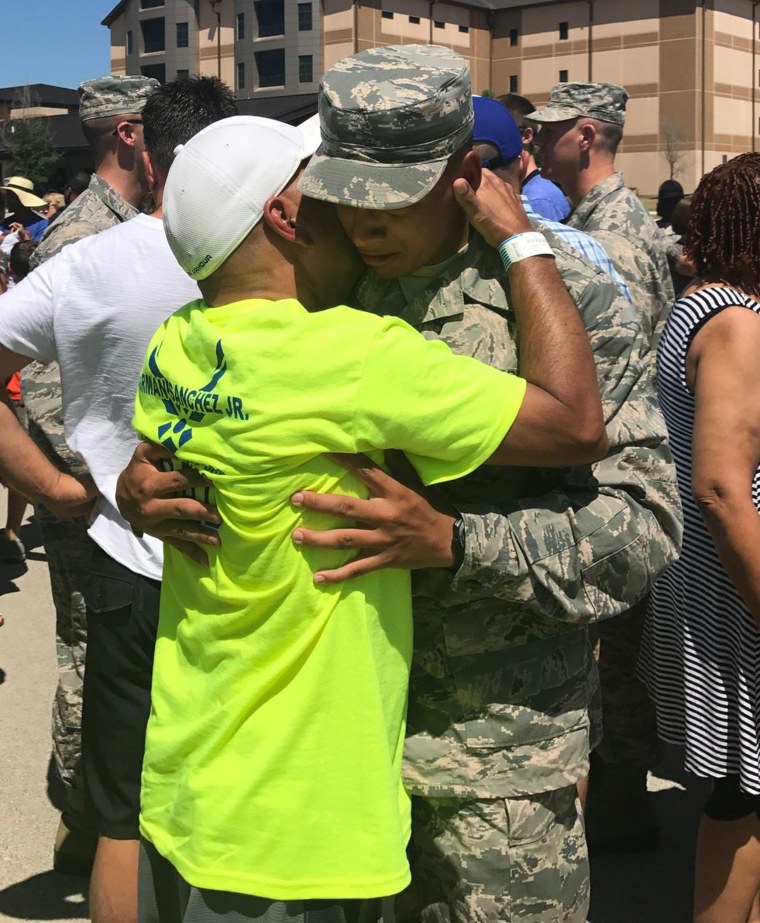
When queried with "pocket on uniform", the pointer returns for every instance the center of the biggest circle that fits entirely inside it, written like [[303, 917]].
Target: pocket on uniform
[[112, 637], [107, 595]]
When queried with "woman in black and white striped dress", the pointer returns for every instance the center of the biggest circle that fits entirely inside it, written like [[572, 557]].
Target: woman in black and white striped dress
[[701, 646]]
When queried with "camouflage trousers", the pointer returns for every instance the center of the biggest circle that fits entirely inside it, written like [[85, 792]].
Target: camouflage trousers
[[628, 722], [497, 861], [68, 548]]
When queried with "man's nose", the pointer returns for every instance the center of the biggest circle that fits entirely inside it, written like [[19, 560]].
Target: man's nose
[[366, 224]]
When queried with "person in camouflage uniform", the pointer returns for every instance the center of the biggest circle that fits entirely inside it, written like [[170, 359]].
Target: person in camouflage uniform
[[502, 677], [109, 110], [580, 129]]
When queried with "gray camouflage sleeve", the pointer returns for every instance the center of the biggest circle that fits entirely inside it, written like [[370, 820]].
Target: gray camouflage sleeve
[[592, 545], [56, 239]]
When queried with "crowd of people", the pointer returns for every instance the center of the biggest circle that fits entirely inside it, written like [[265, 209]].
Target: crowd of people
[[387, 341]]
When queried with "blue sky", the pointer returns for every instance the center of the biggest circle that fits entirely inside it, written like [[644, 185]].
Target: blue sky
[[54, 41]]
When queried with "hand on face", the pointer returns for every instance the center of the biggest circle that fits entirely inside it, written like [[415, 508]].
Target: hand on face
[[494, 210]]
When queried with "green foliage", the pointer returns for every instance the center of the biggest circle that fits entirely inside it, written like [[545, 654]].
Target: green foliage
[[487, 93], [30, 142], [30, 145]]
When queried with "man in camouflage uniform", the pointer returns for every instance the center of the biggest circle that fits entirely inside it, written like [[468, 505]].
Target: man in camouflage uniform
[[581, 127], [502, 679], [109, 109]]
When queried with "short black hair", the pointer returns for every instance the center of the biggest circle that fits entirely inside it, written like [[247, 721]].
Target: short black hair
[[79, 182], [178, 110], [19, 258], [518, 107]]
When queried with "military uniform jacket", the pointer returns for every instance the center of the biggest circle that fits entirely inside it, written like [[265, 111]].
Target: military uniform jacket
[[502, 674], [616, 217], [98, 208]]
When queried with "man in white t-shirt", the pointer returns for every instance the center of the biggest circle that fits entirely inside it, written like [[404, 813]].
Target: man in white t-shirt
[[93, 308]]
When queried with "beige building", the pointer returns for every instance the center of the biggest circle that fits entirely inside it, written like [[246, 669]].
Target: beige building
[[691, 67]]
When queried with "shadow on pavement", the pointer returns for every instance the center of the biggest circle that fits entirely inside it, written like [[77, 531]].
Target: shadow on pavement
[[655, 887], [46, 896]]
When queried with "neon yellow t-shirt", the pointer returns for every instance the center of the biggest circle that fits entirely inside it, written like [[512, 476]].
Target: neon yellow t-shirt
[[273, 753]]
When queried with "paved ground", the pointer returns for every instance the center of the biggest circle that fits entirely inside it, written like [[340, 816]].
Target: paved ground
[[652, 888]]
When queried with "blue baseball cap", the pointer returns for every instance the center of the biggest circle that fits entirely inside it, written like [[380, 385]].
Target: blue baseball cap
[[495, 125]]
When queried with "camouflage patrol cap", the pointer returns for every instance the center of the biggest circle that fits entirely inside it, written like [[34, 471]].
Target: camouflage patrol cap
[[602, 101], [114, 95], [390, 119]]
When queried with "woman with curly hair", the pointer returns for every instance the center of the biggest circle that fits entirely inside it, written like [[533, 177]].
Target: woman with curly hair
[[701, 646]]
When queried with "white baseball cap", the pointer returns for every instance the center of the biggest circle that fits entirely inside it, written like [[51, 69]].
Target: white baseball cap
[[219, 181]]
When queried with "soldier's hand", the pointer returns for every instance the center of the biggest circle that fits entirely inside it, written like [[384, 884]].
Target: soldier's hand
[[398, 526], [151, 501], [495, 210]]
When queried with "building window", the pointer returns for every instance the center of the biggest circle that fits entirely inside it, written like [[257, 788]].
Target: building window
[[183, 74], [513, 83], [240, 26], [513, 33], [438, 24], [240, 75], [564, 29], [414, 20], [271, 67], [156, 71], [154, 35], [386, 14], [305, 68], [150, 4], [183, 38], [464, 28], [305, 21], [563, 76], [129, 45], [270, 15]]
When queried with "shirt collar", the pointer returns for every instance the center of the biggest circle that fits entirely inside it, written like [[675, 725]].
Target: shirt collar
[[475, 275], [585, 208]]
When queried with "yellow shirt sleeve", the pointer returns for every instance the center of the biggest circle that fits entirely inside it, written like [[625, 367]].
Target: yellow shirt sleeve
[[448, 413]]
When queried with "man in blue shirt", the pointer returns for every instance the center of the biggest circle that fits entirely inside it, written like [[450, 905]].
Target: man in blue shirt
[[497, 138], [545, 197]]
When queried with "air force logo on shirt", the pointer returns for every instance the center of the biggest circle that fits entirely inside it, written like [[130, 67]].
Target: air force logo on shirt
[[189, 405]]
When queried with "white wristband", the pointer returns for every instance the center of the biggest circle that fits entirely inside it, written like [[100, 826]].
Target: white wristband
[[521, 246]]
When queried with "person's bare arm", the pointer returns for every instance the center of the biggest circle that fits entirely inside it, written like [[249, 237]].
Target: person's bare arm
[[151, 501], [724, 367], [560, 422], [24, 467]]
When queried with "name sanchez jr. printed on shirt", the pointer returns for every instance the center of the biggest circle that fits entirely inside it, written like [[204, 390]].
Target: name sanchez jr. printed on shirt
[[187, 404]]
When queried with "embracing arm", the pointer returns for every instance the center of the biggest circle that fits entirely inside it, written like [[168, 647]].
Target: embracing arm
[[593, 545], [588, 547], [723, 368], [560, 421], [24, 467]]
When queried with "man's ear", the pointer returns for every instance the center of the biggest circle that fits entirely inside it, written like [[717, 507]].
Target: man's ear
[[472, 169], [587, 133], [152, 172], [527, 136], [125, 132], [524, 161], [280, 216]]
